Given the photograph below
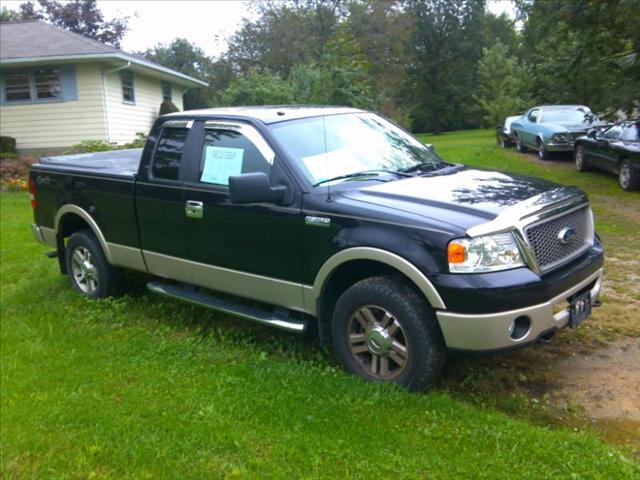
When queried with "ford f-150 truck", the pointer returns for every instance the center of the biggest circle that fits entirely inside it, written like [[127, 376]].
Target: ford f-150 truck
[[329, 219]]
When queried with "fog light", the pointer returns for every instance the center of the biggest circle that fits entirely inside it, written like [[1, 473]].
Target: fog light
[[519, 327]]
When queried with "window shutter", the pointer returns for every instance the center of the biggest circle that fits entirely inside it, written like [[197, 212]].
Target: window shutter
[[69, 83]]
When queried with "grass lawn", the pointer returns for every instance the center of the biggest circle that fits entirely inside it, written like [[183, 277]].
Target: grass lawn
[[143, 387]]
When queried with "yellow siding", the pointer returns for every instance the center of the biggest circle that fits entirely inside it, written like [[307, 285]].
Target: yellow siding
[[126, 119], [60, 124]]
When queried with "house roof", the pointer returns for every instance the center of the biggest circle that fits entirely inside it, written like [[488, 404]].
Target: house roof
[[33, 42]]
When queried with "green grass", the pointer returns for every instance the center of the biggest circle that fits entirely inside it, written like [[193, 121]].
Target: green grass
[[142, 387]]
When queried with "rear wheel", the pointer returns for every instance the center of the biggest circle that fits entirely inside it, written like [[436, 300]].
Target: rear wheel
[[89, 271], [628, 178], [581, 162], [520, 146], [386, 332]]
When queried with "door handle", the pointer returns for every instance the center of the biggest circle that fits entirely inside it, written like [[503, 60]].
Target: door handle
[[193, 209]]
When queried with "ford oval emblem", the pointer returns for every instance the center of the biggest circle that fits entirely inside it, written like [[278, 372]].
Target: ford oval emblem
[[566, 234]]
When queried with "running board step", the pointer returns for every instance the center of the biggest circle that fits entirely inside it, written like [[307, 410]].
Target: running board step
[[277, 318]]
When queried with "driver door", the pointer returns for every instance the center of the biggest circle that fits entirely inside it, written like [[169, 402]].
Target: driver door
[[250, 250]]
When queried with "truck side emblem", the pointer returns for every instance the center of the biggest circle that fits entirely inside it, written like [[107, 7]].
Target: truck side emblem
[[317, 221], [566, 234]]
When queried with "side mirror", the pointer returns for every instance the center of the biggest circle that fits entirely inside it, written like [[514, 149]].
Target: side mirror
[[430, 147], [254, 188], [592, 133]]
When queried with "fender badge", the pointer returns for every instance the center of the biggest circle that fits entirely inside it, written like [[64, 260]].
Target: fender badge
[[317, 221], [566, 234]]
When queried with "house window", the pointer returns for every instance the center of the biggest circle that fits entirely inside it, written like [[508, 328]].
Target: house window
[[166, 91], [128, 93], [32, 85], [17, 86], [47, 83]]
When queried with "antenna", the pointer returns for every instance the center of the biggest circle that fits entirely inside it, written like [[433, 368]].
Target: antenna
[[326, 157]]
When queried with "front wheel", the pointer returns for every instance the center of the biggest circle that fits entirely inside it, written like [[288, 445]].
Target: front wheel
[[581, 162], [89, 271], [543, 153], [628, 178], [386, 332]]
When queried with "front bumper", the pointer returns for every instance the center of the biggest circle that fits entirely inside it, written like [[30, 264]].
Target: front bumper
[[559, 147], [491, 331]]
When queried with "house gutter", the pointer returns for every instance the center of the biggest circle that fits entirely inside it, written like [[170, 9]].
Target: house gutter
[[105, 100]]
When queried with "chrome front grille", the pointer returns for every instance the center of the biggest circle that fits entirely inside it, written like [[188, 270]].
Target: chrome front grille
[[545, 242]]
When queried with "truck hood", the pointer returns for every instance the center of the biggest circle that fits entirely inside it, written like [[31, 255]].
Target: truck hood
[[464, 198]]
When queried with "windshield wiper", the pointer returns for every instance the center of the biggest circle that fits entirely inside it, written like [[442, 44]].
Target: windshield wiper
[[433, 168], [363, 173]]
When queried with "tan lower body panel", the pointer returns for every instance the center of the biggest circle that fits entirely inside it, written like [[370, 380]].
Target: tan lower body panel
[[248, 285]]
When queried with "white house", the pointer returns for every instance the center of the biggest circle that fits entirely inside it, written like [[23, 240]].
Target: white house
[[58, 88]]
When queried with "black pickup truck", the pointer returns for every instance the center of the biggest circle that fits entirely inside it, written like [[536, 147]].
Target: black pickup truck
[[331, 220]]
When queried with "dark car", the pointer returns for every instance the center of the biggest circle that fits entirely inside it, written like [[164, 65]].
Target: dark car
[[615, 149], [329, 219], [504, 135]]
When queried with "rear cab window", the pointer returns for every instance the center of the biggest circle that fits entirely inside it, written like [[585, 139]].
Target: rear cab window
[[168, 154]]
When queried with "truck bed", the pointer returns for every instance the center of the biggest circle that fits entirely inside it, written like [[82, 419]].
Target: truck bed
[[113, 163]]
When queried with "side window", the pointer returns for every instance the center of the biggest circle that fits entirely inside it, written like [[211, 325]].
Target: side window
[[128, 92], [613, 133], [229, 152], [168, 154], [631, 132], [533, 116]]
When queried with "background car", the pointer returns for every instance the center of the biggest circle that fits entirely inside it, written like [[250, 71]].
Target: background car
[[504, 135], [615, 149], [552, 128]]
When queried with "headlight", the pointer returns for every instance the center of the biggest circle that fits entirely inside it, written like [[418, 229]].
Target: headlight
[[559, 138], [484, 254]]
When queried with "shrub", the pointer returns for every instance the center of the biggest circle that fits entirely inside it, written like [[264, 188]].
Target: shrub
[[8, 156], [138, 142], [168, 106], [14, 173], [90, 146], [7, 144]]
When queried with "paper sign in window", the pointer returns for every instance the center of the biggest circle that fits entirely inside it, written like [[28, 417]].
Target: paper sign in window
[[220, 163]]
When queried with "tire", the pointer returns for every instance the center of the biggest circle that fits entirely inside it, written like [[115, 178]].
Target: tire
[[88, 269], [582, 164], [543, 153], [628, 178], [503, 143], [520, 146], [387, 316]]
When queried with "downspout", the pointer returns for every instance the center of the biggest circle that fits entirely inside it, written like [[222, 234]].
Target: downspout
[[105, 100]]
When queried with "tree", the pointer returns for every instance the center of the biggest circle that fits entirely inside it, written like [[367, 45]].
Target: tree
[[501, 84], [444, 48], [584, 51], [183, 56], [78, 16]]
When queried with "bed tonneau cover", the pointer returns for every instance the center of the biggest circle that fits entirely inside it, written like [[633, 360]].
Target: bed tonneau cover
[[118, 163]]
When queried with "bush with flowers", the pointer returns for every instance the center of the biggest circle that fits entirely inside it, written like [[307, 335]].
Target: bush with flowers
[[14, 173]]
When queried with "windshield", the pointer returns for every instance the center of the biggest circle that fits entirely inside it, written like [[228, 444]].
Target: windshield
[[565, 116], [338, 145]]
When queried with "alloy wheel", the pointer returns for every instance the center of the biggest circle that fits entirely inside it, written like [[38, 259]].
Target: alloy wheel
[[85, 272], [579, 158], [625, 176], [378, 342]]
